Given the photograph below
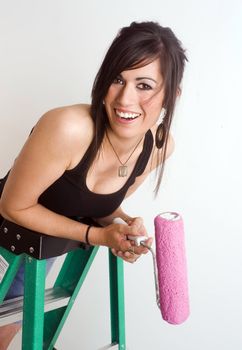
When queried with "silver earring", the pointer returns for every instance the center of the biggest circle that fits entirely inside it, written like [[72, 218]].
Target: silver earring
[[162, 115]]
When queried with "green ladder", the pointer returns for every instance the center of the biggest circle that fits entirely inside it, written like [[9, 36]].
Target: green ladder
[[44, 311]]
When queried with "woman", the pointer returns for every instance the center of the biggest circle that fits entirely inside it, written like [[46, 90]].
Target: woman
[[82, 161]]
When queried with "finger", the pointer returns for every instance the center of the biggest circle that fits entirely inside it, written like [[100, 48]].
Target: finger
[[135, 230], [125, 245], [132, 249], [139, 226], [126, 230], [130, 258], [126, 256], [114, 252], [138, 222], [123, 255], [149, 241], [140, 219]]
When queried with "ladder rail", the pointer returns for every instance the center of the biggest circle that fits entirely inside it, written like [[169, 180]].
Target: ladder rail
[[42, 326]]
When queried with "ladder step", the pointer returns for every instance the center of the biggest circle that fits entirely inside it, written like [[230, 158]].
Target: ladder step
[[12, 310], [111, 346]]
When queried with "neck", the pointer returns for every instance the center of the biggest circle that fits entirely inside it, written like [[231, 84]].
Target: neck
[[123, 145], [125, 157]]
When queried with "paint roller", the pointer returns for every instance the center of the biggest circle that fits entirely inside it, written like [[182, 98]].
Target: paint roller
[[170, 267]]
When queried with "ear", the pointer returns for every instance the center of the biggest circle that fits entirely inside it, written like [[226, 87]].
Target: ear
[[178, 92]]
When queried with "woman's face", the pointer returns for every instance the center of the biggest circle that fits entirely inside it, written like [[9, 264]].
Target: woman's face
[[134, 100]]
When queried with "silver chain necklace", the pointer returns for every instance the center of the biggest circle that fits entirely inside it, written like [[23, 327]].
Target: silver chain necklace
[[123, 168]]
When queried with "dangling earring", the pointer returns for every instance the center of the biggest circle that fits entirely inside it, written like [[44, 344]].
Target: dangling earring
[[159, 136], [162, 115]]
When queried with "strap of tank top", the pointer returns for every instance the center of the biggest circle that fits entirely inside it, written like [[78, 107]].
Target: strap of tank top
[[144, 155]]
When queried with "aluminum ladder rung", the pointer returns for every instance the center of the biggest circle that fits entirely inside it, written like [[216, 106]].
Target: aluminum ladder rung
[[12, 310], [111, 346]]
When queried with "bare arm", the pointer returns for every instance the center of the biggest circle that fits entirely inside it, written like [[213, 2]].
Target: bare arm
[[43, 159]]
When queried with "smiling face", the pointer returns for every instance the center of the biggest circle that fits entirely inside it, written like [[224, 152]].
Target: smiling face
[[134, 100]]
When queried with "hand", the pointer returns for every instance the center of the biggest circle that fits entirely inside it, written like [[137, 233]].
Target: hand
[[133, 253], [116, 236], [138, 222]]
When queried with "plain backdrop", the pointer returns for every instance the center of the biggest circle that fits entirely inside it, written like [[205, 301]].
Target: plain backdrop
[[49, 54]]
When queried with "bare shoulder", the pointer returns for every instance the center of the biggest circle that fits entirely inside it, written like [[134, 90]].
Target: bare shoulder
[[69, 126], [64, 131], [68, 121]]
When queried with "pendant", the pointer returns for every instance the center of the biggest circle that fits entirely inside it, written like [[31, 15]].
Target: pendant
[[123, 171]]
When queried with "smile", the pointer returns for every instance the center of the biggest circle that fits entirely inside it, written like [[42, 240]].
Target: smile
[[127, 115]]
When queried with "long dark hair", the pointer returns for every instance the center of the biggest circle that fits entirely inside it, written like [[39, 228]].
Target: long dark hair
[[135, 46]]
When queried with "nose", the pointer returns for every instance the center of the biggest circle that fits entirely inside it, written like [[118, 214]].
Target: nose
[[127, 95]]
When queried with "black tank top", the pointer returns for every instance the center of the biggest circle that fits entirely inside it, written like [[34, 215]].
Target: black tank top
[[70, 196]]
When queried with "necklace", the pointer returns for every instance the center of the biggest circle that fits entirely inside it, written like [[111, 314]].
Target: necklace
[[123, 168]]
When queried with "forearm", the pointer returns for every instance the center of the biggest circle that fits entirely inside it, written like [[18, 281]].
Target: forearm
[[40, 219]]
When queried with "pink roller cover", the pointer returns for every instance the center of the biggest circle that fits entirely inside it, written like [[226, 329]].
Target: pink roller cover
[[172, 267]]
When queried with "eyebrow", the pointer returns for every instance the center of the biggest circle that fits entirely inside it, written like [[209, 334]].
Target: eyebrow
[[141, 78]]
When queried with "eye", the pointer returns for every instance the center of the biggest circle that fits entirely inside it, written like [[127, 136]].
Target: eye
[[118, 80], [143, 86]]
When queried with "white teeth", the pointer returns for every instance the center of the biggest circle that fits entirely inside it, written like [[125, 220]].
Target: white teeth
[[127, 115]]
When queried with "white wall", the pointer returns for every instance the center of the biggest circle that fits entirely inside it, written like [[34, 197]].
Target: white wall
[[50, 52]]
